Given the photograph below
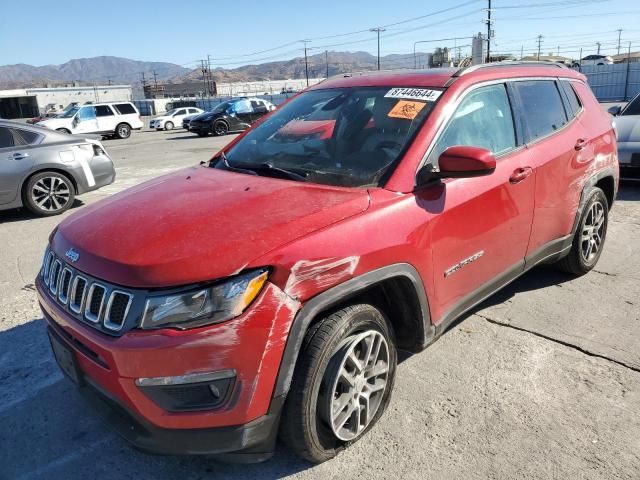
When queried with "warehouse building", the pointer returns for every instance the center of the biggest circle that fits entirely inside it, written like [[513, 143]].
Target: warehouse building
[[30, 102]]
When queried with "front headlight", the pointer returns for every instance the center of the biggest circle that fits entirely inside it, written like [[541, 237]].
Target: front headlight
[[204, 305]]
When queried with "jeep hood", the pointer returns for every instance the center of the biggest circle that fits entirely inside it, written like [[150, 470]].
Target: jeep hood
[[196, 225]]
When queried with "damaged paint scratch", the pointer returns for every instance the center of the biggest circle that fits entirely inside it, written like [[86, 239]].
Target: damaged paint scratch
[[319, 274]]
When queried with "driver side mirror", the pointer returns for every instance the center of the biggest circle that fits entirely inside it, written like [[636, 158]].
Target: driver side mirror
[[460, 162], [615, 110]]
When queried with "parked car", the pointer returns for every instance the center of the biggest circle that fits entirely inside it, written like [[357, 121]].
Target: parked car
[[627, 123], [187, 120], [173, 117], [107, 119], [594, 60], [44, 170], [232, 116], [268, 291]]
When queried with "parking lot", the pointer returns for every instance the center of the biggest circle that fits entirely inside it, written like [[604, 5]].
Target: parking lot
[[541, 381]]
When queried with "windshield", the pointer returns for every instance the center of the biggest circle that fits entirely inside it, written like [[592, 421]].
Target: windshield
[[345, 137], [171, 112], [69, 113], [220, 107]]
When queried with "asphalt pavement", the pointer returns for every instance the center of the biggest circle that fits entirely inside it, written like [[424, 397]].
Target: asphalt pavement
[[540, 381]]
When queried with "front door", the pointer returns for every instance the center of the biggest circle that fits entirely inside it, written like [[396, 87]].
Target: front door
[[85, 120], [16, 160], [480, 234]]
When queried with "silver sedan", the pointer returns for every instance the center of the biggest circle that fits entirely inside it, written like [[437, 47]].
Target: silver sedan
[[44, 170], [628, 127]]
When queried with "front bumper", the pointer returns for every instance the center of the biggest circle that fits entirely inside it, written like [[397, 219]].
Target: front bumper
[[251, 344]]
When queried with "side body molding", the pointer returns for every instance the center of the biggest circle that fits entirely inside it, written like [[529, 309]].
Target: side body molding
[[338, 294]]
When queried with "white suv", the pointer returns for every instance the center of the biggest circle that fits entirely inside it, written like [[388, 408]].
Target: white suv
[[109, 119], [173, 117]]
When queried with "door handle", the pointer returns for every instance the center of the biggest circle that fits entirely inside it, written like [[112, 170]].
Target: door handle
[[580, 144], [519, 174], [19, 156]]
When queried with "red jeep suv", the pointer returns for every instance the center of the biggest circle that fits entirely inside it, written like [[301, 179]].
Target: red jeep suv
[[266, 292]]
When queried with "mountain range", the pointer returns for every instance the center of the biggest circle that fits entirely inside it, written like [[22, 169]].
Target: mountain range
[[117, 70]]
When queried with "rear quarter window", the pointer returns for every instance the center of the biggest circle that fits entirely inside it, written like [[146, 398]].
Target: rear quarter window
[[125, 108], [541, 107], [574, 102]]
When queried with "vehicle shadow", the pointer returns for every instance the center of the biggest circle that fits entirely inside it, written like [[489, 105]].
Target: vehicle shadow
[[47, 430], [21, 214], [186, 137]]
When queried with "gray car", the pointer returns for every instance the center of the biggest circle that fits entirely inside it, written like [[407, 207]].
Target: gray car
[[628, 127], [45, 170]]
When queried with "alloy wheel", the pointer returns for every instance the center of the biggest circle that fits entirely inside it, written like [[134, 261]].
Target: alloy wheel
[[358, 385], [592, 232], [50, 194]]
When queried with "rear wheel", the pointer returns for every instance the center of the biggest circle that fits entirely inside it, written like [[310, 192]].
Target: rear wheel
[[589, 238], [220, 128], [342, 383], [168, 126], [48, 193], [123, 131]]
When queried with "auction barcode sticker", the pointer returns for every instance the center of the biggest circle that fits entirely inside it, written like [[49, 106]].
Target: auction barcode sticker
[[423, 94]]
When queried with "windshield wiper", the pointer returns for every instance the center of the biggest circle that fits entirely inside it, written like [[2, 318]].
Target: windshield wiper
[[228, 166], [287, 173]]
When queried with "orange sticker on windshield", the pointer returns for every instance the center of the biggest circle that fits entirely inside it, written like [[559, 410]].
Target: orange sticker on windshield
[[408, 109]]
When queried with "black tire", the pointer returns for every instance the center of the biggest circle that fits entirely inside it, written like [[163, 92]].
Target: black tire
[[220, 128], [123, 130], [63, 130], [304, 426], [580, 261], [43, 204], [168, 126], [203, 134]]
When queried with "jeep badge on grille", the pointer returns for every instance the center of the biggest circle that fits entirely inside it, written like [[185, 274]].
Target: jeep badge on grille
[[72, 255]]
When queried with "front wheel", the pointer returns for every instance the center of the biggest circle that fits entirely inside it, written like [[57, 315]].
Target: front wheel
[[342, 383], [220, 128], [123, 131], [588, 241], [168, 126]]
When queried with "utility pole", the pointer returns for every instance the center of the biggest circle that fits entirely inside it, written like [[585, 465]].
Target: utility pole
[[326, 60], [489, 33], [378, 30], [598, 44], [558, 50], [306, 61], [203, 69], [155, 82], [209, 78], [619, 35], [521, 51], [540, 37]]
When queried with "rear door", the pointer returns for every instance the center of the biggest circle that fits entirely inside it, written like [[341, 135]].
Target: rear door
[[16, 160], [259, 110], [480, 235], [243, 114], [552, 134], [106, 118]]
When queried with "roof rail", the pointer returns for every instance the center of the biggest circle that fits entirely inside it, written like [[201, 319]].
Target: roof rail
[[508, 63]]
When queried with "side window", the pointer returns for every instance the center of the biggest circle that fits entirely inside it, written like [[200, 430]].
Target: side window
[[103, 111], [574, 101], [87, 113], [542, 108], [182, 111], [15, 137], [633, 108], [193, 110], [125, 108], [242, 106], [258, 107], [483, 119]]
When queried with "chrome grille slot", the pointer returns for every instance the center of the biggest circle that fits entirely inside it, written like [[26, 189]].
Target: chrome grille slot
[[78, 288], [64, 285], [94, 302], [117, 309], [45, 266], [54, 276]]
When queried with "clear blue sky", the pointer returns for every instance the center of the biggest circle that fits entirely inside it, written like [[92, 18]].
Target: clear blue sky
[[40, 32]]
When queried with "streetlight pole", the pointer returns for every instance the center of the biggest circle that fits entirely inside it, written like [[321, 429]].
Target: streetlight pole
[[378, 30]]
